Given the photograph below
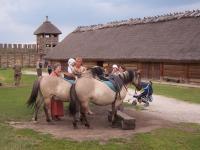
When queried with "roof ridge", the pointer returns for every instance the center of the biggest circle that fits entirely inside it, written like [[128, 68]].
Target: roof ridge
[[145, 20]]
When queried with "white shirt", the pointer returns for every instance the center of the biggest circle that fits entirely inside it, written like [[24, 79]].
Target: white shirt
[[70, 69]]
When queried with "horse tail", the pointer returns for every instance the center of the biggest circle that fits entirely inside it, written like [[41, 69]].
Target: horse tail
[[73, 104], [32, 99]]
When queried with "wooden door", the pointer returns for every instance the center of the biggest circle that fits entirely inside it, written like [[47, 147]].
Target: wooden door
[[151, 71]]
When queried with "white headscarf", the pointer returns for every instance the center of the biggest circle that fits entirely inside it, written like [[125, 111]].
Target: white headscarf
[[70, 68], [115, 66]]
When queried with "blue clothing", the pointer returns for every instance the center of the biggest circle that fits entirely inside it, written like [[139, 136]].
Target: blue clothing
[[148, 90]]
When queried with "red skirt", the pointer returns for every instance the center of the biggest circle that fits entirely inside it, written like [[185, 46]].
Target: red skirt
[[57, 108]]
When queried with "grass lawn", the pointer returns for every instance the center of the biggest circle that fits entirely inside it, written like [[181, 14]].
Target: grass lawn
[[181, 137], [12, 107], [13, 103], [182, 93], [7, 77]]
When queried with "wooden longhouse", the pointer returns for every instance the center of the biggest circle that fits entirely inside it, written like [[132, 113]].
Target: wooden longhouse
[[163, 47]]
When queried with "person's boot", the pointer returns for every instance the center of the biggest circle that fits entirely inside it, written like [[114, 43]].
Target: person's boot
[[146, 104], [134, 103]]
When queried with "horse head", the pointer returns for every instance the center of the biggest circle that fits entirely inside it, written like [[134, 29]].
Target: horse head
[[137, 79], [132, 76]]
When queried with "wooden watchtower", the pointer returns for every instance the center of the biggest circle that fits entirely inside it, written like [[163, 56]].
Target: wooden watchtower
[[47, 36]]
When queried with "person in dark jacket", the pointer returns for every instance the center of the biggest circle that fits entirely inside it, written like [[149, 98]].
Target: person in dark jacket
[[39, 65], [49, 68], [146, 95], [17, 73]]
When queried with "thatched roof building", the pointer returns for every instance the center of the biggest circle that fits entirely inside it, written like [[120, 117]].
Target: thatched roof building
[[167, 38]]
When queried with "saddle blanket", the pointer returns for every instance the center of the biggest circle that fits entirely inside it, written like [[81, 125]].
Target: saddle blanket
[[110, 85], [70, 81]]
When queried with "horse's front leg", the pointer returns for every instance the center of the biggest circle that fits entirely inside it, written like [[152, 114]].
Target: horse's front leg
[[113, 114]]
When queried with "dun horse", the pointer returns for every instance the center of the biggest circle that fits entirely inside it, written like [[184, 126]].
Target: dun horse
[[44, 89], [87, 88]]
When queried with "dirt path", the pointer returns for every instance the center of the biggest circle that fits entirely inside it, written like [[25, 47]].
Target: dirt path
[[175, 110], [100, 127], [33, 72], [172, 110]]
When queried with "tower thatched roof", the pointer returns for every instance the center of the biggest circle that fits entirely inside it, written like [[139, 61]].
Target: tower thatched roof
[[47, 28]]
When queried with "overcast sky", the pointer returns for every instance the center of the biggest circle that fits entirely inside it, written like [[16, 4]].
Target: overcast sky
[[20, 18]]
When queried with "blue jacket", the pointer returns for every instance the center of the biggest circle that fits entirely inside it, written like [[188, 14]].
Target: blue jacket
[[147, 88]]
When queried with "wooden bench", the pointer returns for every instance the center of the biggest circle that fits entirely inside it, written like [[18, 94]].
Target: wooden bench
[[124, 120], [172, 79], [195, 81]]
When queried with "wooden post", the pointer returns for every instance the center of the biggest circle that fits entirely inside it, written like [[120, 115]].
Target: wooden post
[[161, 70], [7, 60], [187, 69], [29, 59], [22, 61]]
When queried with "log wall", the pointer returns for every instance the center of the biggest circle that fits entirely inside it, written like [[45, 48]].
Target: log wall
[[176, 72]]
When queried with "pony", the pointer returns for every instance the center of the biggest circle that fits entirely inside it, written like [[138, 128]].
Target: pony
[[44, 89], [90, 88]]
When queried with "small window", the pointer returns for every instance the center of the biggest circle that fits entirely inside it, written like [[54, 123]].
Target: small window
[[54, 45], [48, 45], [47, 36]]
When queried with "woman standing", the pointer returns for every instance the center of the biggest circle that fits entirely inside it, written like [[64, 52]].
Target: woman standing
[[57, 108]]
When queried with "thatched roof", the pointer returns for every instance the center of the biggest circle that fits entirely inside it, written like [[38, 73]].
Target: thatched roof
[[47, 28], [175, 38]]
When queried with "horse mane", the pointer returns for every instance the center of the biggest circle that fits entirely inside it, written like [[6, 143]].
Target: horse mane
[[97, 71], [127, 76]]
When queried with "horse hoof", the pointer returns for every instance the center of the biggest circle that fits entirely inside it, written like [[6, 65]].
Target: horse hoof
[[35, 121], [48, 120], [82, 121], [87, 125], [75, 125]]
